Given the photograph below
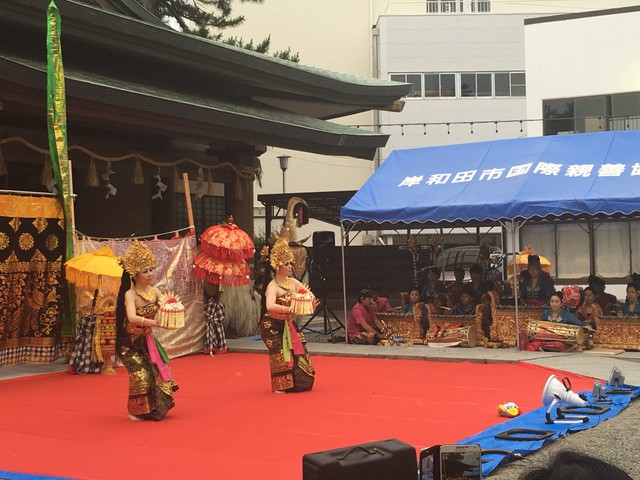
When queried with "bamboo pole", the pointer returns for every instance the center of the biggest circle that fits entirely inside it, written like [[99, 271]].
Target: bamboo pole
[[72, 204], [187, 194]]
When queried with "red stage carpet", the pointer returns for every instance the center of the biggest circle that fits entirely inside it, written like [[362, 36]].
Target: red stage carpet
[[228, 424]]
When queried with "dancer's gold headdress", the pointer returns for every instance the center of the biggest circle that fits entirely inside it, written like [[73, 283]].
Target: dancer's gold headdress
[[280, 253], [137, 258]]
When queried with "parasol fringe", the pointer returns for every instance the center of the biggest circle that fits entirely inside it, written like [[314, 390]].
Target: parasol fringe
[[224, 280], [92, 281], [225, 253]]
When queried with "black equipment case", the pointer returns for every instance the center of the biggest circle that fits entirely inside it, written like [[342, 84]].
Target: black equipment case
[[384, 460]]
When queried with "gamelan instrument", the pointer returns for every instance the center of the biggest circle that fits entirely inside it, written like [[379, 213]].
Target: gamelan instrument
[[544, 331], [466, 335]]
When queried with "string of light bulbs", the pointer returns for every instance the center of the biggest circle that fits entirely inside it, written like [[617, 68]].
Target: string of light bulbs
[[602, 120]]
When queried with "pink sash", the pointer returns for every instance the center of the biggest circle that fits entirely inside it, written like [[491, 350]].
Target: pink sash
[[163, 367], [291, 342]]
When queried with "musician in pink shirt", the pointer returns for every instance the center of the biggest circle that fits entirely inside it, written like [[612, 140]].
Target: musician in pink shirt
[[363, 327]]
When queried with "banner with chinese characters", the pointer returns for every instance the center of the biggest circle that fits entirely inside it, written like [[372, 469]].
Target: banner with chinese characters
[[570, 176]]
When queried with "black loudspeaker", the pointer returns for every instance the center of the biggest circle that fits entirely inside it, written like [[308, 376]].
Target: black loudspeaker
[[383, 460], [324, 252]]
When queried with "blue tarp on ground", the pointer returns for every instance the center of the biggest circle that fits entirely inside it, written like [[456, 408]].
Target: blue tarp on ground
[[536, 420], [591, 174]]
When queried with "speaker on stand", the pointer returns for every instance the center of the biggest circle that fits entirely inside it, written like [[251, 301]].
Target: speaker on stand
[[324, 243]]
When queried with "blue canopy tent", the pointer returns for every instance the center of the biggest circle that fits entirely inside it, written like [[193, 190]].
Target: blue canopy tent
[[593, 175]]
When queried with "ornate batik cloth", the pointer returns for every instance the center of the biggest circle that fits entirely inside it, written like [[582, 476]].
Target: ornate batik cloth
[[31, 288], [150, 396], [291, 368], [174, 273]]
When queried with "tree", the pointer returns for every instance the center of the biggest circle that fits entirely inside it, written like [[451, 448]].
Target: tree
[[208, 19]]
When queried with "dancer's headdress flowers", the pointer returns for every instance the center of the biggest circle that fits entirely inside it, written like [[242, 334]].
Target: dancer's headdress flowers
[[137, 258], [280, 253]]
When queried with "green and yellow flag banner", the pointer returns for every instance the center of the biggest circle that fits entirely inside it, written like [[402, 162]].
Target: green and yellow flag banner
[[57, 123]]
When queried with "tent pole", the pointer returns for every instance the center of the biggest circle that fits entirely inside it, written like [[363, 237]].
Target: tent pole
[[515, 284], [343, 233]]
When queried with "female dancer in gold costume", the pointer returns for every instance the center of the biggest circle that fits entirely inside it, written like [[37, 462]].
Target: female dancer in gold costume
[[291, 368], [151, 383]]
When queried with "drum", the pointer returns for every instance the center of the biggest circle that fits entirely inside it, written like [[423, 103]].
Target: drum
[[559, 332], [463, 335]]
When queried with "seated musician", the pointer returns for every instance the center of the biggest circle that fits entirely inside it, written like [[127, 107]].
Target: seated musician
[[608, 303], [432, 286], [589, 310], [414, 302], [364, 327], [478, 286], [380, 304], [631, 307], [466, 306], [536, 286], [455, 288], [555, 313]]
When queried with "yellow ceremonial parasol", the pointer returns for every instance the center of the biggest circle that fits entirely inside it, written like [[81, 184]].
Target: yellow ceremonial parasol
[[522, 260], [96, 270]]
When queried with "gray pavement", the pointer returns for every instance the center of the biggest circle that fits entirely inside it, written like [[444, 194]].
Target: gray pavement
[[613, 441]]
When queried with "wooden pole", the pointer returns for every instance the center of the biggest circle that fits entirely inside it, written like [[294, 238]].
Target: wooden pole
[[72, 204], [187, 194]]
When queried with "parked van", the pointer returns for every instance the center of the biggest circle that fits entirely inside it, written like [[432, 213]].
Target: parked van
[[464, 257]]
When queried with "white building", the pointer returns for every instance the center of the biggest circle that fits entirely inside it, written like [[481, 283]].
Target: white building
[[477, 67], [590, 82]]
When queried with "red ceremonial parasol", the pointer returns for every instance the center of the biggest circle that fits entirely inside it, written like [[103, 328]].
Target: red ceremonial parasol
[[230, 272], [227, 241]]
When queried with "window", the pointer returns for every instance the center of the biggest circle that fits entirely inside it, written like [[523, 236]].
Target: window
[[592, 114], [448, 6], [207, 211], [625, 110], [484, 5], [415, 79], [476, 84], [558, 116], [468, 84], [518, 84], [510, 84], [439, 85], [472, 84], [589, 112], [502, 85], [484, 84]]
